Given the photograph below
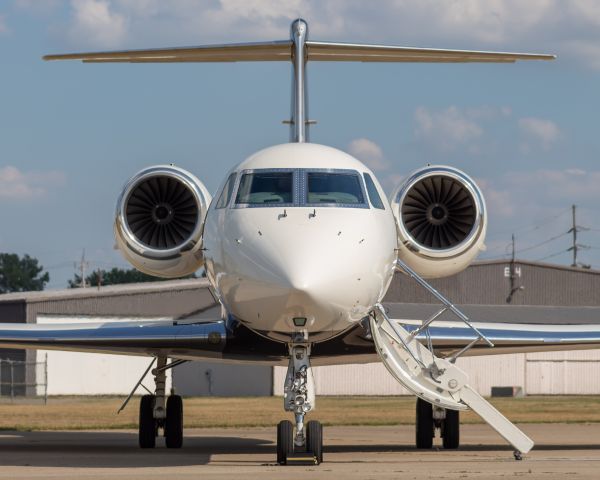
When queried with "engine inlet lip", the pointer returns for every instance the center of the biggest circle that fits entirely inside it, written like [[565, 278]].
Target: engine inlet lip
[[478, 201], [122, 225]]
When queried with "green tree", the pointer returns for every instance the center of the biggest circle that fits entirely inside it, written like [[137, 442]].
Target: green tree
[[114, 276], [21, 274]]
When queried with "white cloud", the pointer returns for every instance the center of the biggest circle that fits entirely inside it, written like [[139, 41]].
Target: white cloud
[[368, 152], [446, 129], [532, 194], [95, 23], [17, 185], [499, 200], [542, 131]]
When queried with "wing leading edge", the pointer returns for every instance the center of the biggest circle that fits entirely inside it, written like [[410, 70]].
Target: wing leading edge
[[200, 339], [448, 336]]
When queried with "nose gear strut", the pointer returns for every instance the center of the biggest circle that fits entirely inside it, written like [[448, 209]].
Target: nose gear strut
[[304, 443]]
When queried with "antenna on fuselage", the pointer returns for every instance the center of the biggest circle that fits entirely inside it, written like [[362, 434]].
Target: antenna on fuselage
[[299, 50]]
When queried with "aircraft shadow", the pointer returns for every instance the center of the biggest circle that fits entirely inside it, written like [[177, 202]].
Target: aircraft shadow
[[116, 450], [111, 449]]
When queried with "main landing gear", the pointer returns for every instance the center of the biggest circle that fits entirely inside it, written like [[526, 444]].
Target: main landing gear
[[299, 444], [430, 419], [158, 412]]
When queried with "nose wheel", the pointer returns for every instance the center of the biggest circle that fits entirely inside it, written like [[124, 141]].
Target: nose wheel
[[285, 441], [314, 440], [300, 443], [309, 454]]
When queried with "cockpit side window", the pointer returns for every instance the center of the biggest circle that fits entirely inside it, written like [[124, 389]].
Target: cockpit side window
[[227, 191], [334, 188], [266, 188], [373, 193]]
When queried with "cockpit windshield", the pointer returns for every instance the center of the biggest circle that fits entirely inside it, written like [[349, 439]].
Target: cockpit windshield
[[301, 187], [338, 188], [265, 188]]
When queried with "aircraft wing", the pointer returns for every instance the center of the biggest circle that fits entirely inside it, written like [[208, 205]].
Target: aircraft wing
[[282, 51], [449, 336], [174, 338], [208, 338]]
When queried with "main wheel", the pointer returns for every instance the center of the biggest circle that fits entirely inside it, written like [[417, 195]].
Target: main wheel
[[451, 429], [285, 441], [314, 440], [148, 426], [174, 422], [424, 424]]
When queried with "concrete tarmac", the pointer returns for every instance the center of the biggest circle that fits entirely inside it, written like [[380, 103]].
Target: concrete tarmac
[[563, 451]]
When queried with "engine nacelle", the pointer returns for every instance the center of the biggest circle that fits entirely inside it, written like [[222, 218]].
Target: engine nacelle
[[159, 221], [442, 221]]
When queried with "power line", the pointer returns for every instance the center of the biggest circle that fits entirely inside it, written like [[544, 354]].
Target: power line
[[532, 247], [541, 223], [552, 255]]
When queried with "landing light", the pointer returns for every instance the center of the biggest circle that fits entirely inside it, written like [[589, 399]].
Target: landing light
[[300, 321]]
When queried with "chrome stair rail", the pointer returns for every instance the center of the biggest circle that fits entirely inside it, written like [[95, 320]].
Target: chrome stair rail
[[448, 306]]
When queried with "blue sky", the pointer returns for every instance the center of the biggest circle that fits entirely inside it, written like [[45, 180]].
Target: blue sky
[[71, 134]]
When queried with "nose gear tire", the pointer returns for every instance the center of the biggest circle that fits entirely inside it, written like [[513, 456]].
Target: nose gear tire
[[314, 440], [285, 441]]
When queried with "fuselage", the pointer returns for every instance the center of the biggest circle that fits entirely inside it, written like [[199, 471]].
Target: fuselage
[[300, 240]]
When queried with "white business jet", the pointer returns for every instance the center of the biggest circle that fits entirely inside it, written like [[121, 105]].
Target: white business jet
[[300, 245]]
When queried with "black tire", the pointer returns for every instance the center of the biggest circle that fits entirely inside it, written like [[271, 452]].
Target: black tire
[[285, 441], [314, 440], [147, 425], [424, 424], [174, 422], [451, 429]]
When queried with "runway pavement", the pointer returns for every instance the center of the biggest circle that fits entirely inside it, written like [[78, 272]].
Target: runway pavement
[[563, 451]]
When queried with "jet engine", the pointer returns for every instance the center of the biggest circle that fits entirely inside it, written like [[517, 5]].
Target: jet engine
[[159, 221], [442, 221]]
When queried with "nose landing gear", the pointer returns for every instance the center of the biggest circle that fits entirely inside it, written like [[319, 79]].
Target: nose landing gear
[[302, 445]]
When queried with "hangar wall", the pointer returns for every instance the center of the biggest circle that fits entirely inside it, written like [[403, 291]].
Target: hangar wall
[[551, 373], [551, 294]]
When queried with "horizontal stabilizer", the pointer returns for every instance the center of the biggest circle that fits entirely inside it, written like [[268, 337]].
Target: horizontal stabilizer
[[348, 52], [282, 51], [235, 52]]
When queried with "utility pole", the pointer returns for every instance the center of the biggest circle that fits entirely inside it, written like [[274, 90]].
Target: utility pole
[[82, 266], [574, 231], [576, 246], [513, 274]]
